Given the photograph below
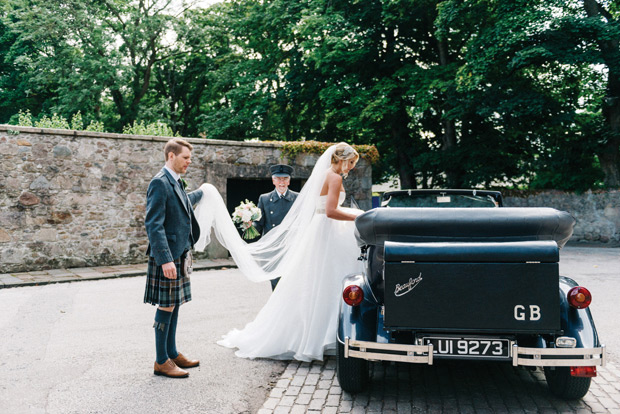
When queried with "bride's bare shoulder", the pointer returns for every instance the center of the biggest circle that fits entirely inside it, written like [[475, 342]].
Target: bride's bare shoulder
[[332, 180]]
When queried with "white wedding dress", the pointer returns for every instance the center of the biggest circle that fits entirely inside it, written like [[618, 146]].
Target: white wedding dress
[[301, 317], [310, 252]]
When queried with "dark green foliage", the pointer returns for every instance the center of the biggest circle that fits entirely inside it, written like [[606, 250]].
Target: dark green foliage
[[493, 93]]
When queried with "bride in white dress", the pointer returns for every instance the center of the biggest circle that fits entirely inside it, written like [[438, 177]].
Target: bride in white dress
[[312, 250]]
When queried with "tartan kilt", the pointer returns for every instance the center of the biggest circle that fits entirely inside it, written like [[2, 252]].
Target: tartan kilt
[[163, 291]]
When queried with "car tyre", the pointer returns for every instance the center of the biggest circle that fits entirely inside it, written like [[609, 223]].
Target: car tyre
[[352, 372], [562, 384]]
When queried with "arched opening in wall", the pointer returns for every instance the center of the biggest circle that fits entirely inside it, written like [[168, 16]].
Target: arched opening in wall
[[240, 189]]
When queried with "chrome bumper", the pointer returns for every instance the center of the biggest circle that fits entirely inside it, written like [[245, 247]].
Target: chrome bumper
[[558, 357], [415, 354], [521, 356]]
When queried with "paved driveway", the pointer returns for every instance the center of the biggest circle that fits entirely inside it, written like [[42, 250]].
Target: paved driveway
[[87, 347]]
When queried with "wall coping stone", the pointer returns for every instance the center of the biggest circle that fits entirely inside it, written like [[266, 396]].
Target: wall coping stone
[[94, 134]]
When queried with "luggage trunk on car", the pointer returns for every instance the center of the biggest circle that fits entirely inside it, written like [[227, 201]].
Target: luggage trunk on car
[[498, 287]]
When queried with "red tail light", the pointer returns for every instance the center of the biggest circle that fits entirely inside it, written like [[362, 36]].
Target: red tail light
[[353, 295], [579, 297], [583, 372]]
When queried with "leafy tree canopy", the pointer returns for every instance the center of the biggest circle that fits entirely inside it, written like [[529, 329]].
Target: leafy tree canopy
[[494, 93]]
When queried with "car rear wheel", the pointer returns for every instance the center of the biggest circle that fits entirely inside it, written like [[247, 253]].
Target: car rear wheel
[[562, 384], [352, 372]]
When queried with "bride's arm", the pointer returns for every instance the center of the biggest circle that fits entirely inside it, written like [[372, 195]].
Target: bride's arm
[[334, 184]]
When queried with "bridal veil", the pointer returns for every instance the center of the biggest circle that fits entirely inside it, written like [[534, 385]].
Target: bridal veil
[[267, 258]]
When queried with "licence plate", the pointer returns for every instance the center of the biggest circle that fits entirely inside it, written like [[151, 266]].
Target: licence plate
[[469, 347]]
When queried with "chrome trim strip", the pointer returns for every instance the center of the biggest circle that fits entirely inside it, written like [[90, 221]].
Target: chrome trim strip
[[423, 354], [590, 357], [417, 354]]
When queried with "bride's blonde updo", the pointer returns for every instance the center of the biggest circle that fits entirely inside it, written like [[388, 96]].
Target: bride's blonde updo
[[342, 152]]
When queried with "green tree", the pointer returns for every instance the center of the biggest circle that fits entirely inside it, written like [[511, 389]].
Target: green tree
[[534, 71], [257, 87], [460, 94], [453, 93], [183, 83], [18, 89], [390, 82], [602, 24], [98, 55]]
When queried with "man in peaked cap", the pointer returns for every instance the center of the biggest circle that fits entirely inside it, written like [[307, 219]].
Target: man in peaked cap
[[276, 204]]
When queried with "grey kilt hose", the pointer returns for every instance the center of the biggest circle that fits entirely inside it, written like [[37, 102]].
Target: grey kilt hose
[[163, 291]]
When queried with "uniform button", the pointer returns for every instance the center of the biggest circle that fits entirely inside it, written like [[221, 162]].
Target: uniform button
[[273, 225], [271, 212]]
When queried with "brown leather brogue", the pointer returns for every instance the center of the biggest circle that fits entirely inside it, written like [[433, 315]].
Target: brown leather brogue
[[169, 369], [184, 362]]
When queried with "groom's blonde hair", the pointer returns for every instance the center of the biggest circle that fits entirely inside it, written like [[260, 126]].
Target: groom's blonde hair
[[344, 151], [175, 145]]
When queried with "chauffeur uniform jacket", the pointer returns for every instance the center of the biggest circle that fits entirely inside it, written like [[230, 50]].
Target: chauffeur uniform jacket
[[273, 209]]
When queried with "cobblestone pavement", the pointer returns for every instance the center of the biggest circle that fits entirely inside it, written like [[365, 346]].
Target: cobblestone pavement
[[45, 277], [447, 387]]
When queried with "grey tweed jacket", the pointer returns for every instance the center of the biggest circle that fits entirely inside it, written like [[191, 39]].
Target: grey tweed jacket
[[170, 222]]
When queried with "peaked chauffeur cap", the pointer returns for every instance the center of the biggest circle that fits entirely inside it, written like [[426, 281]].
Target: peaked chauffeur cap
[[281, 170]]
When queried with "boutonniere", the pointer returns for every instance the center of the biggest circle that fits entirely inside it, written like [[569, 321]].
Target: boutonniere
[[185, 186]]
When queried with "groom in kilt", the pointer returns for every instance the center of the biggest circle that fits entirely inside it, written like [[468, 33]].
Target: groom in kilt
[[172, 230]]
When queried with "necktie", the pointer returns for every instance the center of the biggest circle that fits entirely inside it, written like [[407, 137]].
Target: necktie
[[185, 203]]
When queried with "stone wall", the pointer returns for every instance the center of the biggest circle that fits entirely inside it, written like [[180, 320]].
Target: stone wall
[[73, 198], [597, 214]]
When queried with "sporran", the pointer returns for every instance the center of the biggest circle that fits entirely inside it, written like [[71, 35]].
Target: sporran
[[188, 264]]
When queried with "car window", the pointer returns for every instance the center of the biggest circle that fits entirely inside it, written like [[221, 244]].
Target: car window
[[437, 200]]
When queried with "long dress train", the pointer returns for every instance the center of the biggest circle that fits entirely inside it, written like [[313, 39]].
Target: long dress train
[[300, 318]]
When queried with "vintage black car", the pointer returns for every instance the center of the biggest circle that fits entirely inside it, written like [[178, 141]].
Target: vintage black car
[[452, 274]]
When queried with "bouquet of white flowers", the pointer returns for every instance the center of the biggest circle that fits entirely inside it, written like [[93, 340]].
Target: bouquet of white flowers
[[245, 214]]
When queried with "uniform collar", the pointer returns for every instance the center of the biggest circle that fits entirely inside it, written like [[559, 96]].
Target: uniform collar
[[275, 196]]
